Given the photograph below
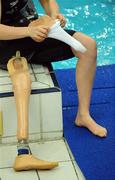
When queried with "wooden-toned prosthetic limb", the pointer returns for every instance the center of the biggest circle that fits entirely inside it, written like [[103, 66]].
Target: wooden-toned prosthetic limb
[[19, 73], [21, 81]]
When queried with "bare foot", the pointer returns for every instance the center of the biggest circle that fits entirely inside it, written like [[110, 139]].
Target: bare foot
[[88, 122], [29, 162]]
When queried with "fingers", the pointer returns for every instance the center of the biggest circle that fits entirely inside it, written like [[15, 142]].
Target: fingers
[[42, 33], [62, 23], [43, 30], [62, 20], [38, 39]]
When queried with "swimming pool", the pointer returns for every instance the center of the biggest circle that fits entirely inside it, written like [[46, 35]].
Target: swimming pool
[[96, 19]]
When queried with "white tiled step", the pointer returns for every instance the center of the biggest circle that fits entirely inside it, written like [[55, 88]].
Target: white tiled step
[[41, 78], [6, 84], [45, 80], [4, 73], [38, 68]]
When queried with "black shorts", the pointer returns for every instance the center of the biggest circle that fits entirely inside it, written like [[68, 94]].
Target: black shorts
[[49, 50]]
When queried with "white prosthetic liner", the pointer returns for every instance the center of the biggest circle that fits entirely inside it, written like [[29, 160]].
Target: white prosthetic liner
[[57, 32]]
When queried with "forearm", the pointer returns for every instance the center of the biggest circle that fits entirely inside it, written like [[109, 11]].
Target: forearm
[[10, 32], [50, 6]]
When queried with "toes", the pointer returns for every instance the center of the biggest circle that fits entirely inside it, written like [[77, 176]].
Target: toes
[[102, 132], [105, 132], [92, 126]]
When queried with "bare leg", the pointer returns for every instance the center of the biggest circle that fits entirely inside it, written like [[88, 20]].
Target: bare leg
[[85, 71], [20, 77]]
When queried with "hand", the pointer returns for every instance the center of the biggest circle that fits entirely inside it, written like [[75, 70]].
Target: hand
[[61, 19], [38, 33]]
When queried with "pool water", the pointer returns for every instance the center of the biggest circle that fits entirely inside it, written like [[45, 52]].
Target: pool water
[[94, 18]]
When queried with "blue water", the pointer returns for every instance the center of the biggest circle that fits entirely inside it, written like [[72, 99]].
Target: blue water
[[94, 18]]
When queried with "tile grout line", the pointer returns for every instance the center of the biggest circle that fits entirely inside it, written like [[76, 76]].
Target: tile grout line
[[38, 141], [79, 169], [69, 151], [41, 123], [75, 170], [71, 158], [38, 175]]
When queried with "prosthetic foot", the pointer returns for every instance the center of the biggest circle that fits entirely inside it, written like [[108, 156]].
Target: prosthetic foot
[[58, 33], [19, 73], [29, 162]]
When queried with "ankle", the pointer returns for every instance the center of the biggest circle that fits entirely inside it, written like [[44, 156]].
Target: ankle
[[83, 113]]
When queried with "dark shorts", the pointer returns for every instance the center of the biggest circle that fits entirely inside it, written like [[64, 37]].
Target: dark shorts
[[49, 50]]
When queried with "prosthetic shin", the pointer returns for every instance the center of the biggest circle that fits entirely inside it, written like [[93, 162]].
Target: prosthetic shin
[[19, 73]]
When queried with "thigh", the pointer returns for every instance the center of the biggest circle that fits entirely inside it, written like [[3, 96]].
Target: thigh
[[8, 48], [47, 51], [52, 50]]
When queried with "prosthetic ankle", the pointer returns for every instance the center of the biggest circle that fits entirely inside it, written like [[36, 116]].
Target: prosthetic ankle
[[23, 147]]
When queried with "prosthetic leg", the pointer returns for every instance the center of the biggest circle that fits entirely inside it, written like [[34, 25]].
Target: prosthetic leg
[[57, 32], [19, 73]]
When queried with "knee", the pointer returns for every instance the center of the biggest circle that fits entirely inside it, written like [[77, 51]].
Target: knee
[[92, 49], [90, 55], [92, 45], [91, 52], [89, 43]]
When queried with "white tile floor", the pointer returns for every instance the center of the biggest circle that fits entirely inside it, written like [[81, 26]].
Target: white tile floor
[[57, 150]]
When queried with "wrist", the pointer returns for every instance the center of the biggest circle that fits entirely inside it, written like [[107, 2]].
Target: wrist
[[54, 15], [27, 31]]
